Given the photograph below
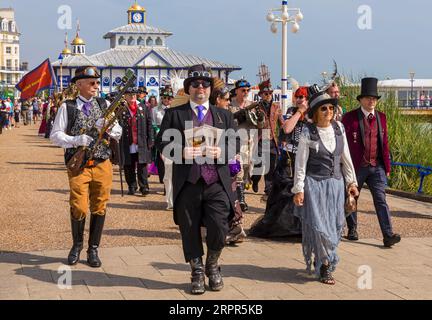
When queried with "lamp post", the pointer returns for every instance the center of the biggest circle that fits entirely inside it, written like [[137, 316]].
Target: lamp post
[[60, 57], [284, 18], [412, 74], [324, 75]]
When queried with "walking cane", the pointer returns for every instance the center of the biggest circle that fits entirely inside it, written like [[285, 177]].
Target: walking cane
[[120, 168]]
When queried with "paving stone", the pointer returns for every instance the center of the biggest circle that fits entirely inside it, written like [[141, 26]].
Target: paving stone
[[146, 294]]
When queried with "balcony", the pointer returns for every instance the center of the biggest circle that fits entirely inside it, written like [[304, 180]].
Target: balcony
[[7, 69]]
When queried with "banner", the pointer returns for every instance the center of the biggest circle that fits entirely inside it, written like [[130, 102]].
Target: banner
[[40, 78]]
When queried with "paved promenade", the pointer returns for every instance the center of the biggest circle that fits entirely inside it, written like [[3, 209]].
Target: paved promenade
[[141, 249]]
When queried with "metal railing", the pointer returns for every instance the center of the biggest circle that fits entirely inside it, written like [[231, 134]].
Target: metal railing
[[6, 68], [422, 170]]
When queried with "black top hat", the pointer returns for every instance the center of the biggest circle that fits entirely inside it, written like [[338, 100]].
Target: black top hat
[[319, 99], [142, 89], [85, 72], [369, 88], [166, 92], [197, 72]]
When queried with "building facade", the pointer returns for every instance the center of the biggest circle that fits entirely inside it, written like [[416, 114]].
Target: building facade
[[138, 46], [10, 67]]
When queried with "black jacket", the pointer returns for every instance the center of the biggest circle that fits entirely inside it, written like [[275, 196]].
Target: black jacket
[[175, 119]]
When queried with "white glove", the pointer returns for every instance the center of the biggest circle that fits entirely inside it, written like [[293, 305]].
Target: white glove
[[100, 124], [82, 140]]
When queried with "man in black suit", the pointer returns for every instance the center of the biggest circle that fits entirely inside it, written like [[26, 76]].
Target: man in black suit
[[201, 191]]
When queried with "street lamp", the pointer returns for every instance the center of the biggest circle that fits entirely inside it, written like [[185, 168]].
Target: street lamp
[[284, 18], [412, 73], [60, 57]]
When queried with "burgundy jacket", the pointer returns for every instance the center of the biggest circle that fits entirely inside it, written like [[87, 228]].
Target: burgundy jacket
[[354, 127]]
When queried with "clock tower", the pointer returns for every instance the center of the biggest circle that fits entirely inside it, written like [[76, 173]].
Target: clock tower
[[136, 14]]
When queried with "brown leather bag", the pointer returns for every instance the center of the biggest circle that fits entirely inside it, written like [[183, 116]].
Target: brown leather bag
[[76, 163]]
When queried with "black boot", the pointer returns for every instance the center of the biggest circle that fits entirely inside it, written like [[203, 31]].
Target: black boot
[[212, 270], [77, 236], [96, 227], [197, 276], [241, 197]]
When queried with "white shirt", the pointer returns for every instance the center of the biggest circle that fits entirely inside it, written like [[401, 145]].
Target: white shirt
[[158, 114], [366, 113], [328, 138], [58, 134], [194, 107]]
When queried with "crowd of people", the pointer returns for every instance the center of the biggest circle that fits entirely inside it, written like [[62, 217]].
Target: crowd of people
[[312, 158], [28, 112]]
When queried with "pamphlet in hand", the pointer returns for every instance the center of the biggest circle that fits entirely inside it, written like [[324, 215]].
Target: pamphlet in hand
[[203, 136]]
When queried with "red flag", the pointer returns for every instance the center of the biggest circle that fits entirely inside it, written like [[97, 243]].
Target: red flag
[[40, 78]]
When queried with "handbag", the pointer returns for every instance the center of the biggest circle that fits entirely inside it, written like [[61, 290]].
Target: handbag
[[350, 204]]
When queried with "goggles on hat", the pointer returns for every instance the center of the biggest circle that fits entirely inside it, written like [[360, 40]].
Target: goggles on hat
[[90, 71], [242, 84], [196, 74]]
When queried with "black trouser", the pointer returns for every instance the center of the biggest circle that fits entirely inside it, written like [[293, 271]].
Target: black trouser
[[268, 177], [202, 205], [131, 174]]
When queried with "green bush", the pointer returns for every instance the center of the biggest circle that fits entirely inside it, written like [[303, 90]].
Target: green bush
[[410, 140]]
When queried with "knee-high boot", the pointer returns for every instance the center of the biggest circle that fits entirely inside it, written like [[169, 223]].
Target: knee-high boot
[[241, 197], [96, 227], [77, 237]]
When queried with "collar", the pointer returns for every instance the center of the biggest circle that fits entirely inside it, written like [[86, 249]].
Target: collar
[[194, 105], [366, 113], [84, 99]]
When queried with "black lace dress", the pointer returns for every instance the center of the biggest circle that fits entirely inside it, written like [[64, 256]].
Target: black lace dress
[[279, 220]]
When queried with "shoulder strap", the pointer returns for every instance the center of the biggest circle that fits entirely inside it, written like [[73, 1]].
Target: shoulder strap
[[72, 111]]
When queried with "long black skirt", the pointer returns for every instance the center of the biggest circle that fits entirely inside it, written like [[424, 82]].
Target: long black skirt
[[279, 220]]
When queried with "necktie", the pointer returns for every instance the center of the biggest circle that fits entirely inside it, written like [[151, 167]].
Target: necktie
[[200, 113], [370, 117], [87, 107]]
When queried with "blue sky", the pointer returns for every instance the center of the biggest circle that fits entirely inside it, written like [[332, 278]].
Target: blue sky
[[236, 31]]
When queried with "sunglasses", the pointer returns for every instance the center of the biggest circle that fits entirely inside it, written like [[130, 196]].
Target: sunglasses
[[300, 97], [196, 83], [165, 97], [267, 94], [245, 90], [92, 83], [325, 108]]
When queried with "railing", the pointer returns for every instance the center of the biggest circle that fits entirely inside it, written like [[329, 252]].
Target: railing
[[422, 170], [3, 68], [415, 104]]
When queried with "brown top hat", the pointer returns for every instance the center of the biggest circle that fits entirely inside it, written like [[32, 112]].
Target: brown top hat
[[86, 72]]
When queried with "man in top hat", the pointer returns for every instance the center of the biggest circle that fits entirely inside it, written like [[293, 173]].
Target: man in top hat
[[366, 131], [166, 97], [271, 114], [136, 143], [77, 125], [201, 189]]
